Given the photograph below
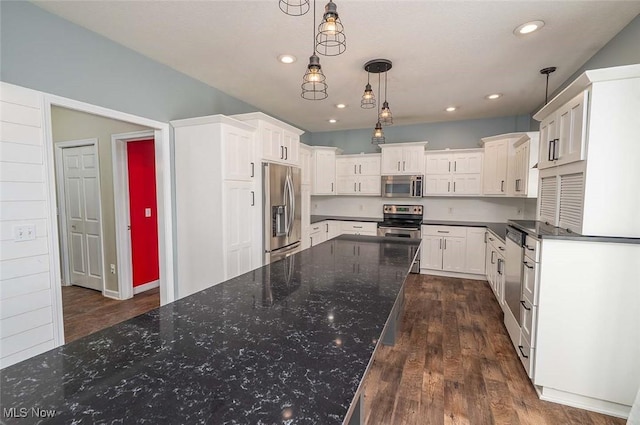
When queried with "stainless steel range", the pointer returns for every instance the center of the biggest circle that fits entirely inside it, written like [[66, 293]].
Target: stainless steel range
[[402, 221]]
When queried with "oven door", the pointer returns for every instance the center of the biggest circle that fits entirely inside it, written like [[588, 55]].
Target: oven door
[[402, 232]]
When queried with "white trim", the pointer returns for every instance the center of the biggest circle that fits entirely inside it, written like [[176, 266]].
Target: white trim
[[146, 286], [163, 188], [121, 207], [583, 402], [454, 274], [111, 294], [62, 206]]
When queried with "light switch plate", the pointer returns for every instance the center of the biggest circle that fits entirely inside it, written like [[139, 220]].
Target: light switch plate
[[147, 212]]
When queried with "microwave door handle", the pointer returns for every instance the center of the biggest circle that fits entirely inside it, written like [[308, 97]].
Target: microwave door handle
[[413, 188]]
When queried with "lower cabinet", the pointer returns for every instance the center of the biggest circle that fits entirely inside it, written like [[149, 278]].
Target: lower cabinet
[[453, 249], [494, 264], [328, 229], [317, 234]]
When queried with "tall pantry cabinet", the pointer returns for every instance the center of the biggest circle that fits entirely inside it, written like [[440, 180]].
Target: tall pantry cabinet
[[218, 205]]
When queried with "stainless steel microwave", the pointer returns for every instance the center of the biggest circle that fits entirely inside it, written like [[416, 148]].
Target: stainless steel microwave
[[402, 186]]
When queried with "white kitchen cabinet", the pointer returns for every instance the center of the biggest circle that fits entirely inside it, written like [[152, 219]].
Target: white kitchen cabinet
[[403, 158], [431, 252], [278, 141], [305, 164], [523, 175], [323, 164], [496, 154], [453, 249], [359, 228], [475, 250], [453, 254], [596, 170], [333, 229], [495, 266], [317, 234], [218, 219], [563, 133], [453, 172], [358, 175]]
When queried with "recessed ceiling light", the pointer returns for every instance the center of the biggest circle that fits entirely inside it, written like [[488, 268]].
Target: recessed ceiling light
[[528, 27], [333, 120], [341, 106], [493, 96], [287, 58], [451, 109]]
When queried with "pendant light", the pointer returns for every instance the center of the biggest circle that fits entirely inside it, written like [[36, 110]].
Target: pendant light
[[294, 7], [386, 118], [547, 71], [368, 99], [313, 81], [378, 134], [331, 40]]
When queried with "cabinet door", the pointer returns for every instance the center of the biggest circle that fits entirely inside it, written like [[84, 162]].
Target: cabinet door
[[437, 163], [317, 238], [272, 148], [291, 143], [453, 254], [500, 280], [475, 250], [547, 136], [530, 281], [369, 185], [487, 262], [437, 184], [431, 253], [346, 166], [347, 185], [238, 207], [495, 167], [466, 184], [305, 212], [413, 160], [324, 179], [334, 229], [521, 161], [571, 132], [305, 166], [237, 150], [369, 165], [467, 163], [548, 200], [391, 160]]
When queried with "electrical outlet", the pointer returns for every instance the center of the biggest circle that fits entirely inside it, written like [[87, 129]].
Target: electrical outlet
[[25, 232], [450, 210], [113, 268]]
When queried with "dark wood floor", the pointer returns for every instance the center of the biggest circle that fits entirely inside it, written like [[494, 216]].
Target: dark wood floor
[[86, 311], [454, 364]]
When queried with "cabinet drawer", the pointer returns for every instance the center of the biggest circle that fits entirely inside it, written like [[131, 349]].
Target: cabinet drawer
[[526, 354], [456, 231], [530, 280], [528, 316], [317, 227], [496, 242], [532, 248], [359, 227]]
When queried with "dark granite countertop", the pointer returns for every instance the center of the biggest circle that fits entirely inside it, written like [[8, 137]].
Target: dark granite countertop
[[500, 229], [317, 218], [541, 230], [287, 343]]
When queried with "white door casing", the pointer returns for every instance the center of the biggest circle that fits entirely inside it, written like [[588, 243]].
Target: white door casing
[[81, 196]]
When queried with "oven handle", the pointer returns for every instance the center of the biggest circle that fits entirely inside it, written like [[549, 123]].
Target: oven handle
[[398, 228]]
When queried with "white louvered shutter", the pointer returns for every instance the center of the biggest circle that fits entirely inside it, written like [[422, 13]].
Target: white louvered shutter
[[548, 199], [571, 201]]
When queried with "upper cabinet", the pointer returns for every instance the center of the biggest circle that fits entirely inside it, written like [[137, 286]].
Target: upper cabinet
[[496, 156], [523, 179], [403, 158], [589, 154], [453, 172], [278, 141], [509, 161], [323, 166], [358, 174], [305, 164]]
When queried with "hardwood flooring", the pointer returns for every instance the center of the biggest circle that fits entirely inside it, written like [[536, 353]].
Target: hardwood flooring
[[454, 363], [86, 311]]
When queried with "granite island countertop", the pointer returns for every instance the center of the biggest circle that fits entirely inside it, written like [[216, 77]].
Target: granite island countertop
[[319, 218], [288, 343]]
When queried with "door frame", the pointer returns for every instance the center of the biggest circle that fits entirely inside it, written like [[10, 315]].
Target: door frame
[[122, 207], [168, 290], [62, 206]]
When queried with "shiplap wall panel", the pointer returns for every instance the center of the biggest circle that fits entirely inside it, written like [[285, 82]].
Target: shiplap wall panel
[[27, 303]]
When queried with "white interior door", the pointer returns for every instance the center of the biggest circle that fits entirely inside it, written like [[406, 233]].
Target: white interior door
[[82, 202]]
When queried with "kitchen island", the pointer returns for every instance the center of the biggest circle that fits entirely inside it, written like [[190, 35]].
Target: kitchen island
[[288, 343]]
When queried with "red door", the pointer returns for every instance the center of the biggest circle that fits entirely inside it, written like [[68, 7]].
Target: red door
[[143, 211]]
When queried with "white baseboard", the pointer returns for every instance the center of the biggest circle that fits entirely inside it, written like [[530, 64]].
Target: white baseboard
[[111, 294], [583, 402], [145, 287], [453, 274]]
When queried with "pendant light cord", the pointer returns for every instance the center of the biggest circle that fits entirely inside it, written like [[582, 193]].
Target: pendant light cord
[[385, 84], [313, 29], [379, 96]]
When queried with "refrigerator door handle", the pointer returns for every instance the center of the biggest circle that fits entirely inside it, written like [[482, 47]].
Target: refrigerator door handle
[[292, 204]]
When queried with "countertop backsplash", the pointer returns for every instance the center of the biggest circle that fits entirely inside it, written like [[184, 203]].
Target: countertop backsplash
[[466, 209]]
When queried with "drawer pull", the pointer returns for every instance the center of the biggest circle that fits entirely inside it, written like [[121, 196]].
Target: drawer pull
[[527, 265], [525, 305], [520, 347], [357, 227], [443, 231], [501, 248], [530, 249], [491, 239]]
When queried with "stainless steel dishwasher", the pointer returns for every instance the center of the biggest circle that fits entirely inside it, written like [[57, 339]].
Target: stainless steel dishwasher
[[513, 271]]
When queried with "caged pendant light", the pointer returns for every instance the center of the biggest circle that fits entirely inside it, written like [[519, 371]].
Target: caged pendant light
[[386, 118], [294, 7], [377, 66], [378, 134], [313, 81], [368, 99], [331, 40]]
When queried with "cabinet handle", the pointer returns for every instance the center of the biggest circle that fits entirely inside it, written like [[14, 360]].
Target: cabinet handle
[[253, 169], [445, 244], [403, 166], [454, 187], [455, 166], [357, 227], [501, 248], [449, 166], [286, 152], [491, 239], [492, 252], [332, 187], [499, 266], [327, 224], [355, 168], [485, 238], [440, 244], [549, 157], [398, 165], [448, 186], [501, 185], [525, 305], [253, 198], [530, 249], [520, 347], [359, 187], [555, 148], [355, 187], [360, 168], [281, 152], [527, 265], [443, 231]]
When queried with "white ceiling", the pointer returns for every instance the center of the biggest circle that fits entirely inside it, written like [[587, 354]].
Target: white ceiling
[[443, 52]]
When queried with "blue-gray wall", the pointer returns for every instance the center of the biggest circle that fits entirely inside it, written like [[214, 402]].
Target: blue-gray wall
[[440, 135]]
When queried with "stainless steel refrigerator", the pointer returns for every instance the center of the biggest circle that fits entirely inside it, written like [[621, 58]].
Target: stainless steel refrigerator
[[282, 218]]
